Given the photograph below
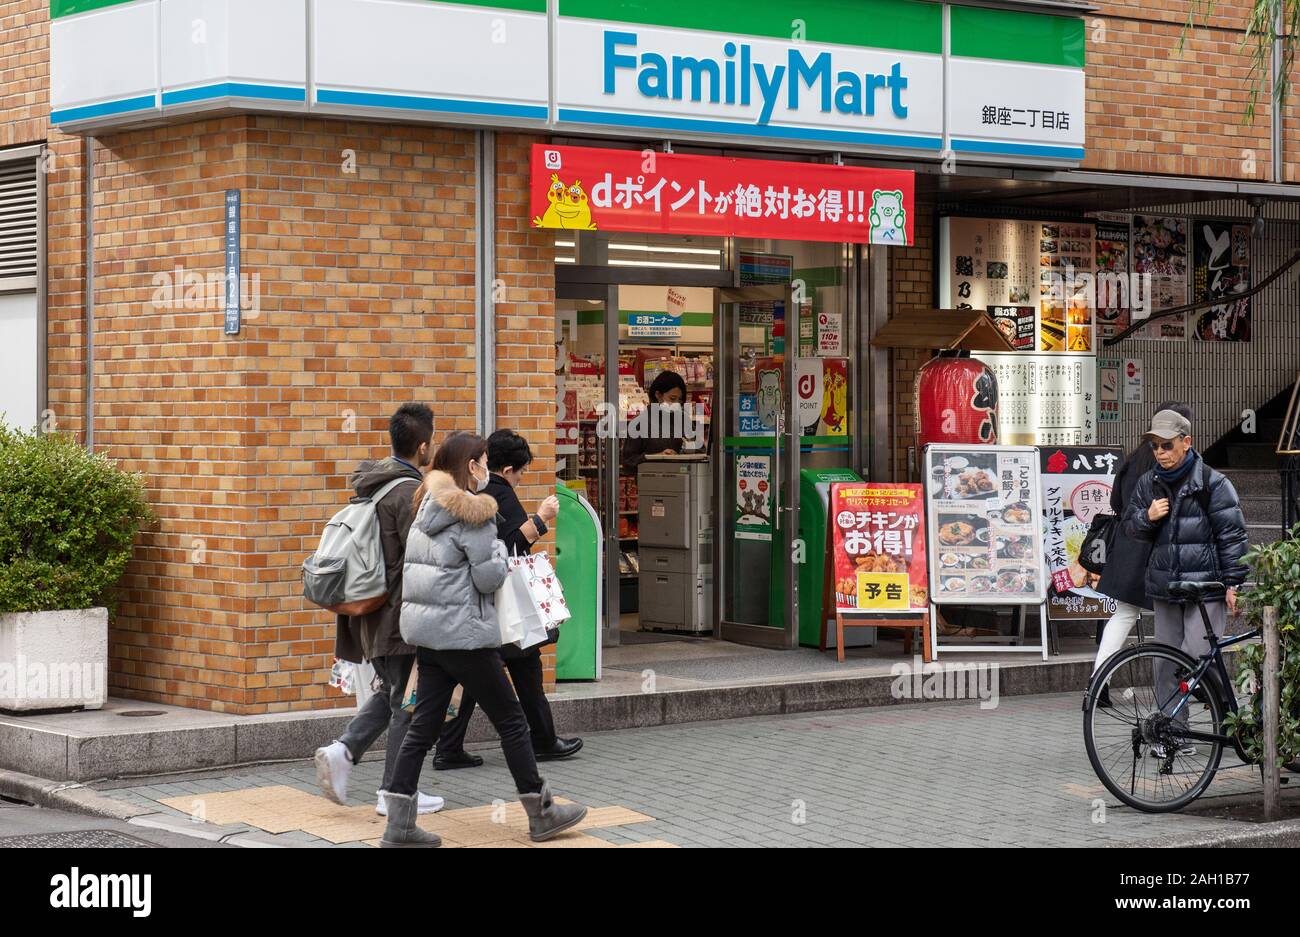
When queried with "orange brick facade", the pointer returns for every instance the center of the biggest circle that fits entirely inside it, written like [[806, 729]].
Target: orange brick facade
[[358, 247]]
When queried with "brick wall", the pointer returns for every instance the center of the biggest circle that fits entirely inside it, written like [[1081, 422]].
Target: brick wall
[[1157, 106], [911, 284], [358, 254]]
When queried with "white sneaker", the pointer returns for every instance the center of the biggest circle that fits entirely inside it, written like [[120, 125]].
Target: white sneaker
[[332, 769], [426, 803], [1162, 751]]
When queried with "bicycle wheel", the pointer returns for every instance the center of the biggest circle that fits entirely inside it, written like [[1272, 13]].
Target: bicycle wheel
[[1134, 747]]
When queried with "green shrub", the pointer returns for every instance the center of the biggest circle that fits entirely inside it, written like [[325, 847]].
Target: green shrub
[[1275, 582], [67, 522]]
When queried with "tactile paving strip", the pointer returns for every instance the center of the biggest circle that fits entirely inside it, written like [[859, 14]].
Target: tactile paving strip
[[281, 809]]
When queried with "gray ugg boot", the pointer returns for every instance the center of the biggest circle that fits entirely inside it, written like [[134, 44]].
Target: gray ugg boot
[[401, 830], [547, 818]]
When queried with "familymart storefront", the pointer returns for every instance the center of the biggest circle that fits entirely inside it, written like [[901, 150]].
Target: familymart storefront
[[720, 184]]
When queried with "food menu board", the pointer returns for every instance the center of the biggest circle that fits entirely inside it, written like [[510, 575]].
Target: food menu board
[[1159, 247], [1033, 277], [1221, 257], [1045, 399], [1064, 286], [878, 547], [989, 262], [983, 509], [1076, 483], [1112, 297]]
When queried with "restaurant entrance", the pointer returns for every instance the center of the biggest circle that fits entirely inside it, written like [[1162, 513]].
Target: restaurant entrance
[[701, 518]]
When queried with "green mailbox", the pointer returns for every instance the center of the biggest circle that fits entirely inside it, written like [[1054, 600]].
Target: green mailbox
[[578, 545]]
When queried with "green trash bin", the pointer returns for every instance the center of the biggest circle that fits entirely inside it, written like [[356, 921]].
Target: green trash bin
[[578, 563]]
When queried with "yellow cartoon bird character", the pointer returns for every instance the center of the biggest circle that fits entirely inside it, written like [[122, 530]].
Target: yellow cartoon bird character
[[569, 207]]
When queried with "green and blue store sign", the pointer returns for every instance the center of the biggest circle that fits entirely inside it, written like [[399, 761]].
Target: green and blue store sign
[[901, 76]]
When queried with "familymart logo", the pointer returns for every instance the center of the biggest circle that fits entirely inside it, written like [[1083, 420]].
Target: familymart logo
[[737, 76], [76, 890]]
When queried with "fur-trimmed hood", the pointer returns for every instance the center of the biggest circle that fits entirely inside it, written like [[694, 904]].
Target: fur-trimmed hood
[[446, 503], [454, 566]]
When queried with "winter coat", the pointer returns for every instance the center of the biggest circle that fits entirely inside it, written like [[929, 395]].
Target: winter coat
[[454, 566], [1125, 576], [365, 637], [1190, 543]]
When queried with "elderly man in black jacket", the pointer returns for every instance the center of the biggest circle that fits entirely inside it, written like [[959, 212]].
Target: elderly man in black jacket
[[1191, 516]]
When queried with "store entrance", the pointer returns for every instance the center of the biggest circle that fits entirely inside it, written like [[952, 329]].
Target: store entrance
[[700, 520]]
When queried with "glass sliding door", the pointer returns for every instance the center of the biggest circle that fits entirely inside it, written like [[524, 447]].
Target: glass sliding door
[[756, 468]]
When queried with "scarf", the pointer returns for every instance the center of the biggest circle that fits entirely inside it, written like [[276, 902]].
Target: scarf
[[1178, 473]]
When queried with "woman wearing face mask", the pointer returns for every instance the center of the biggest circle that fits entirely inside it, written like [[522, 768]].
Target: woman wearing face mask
[[509, 458], [454, 565], [668, 390]]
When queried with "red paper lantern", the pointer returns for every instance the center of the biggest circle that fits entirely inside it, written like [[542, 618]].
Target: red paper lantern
[[956, 402]]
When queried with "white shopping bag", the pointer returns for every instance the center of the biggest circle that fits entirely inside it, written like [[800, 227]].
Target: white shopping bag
[[546, 589], [517, 610]]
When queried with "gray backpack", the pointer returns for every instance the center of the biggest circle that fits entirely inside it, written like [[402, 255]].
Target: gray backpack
[[346, 573]]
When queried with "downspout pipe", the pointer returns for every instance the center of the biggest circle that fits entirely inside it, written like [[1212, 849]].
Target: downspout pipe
[[88, 265], [1278, 154]]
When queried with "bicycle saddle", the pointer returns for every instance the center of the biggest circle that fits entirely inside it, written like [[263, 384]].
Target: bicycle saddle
[[1195, 590]]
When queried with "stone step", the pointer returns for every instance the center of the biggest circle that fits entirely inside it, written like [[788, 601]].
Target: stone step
[[1264, 533], [1255, 483], [1262, 510], [1253, 456]]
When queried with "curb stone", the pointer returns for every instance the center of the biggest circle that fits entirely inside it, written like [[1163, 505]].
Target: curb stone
[[65, 795], [1278, 835]]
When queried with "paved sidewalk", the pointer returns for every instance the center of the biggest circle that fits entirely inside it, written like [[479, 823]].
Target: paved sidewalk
[[935, 774]]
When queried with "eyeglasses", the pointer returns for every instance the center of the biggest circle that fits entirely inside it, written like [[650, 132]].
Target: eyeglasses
[[1163, 446]]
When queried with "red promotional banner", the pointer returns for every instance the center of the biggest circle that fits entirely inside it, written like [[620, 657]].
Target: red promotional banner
[[588, 189], [878, 547]]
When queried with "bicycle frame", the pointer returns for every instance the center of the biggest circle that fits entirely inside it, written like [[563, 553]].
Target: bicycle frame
[[1212, 659]]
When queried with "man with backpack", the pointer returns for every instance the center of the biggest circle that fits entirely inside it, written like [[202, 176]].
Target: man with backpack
[[1191, 516], [374, 636]]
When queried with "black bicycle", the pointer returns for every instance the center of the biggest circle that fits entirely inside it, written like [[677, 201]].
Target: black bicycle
[[1153, 715]]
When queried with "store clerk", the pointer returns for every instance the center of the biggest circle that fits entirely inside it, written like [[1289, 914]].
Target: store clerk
[[668, 390]]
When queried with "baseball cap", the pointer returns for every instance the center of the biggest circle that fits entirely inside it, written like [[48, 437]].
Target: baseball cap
[[1169, 424]]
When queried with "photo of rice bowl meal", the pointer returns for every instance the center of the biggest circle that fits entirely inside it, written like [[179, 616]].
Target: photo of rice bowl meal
[[981, 584], [962, 530]]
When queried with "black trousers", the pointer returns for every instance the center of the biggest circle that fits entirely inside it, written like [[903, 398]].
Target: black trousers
[[480, 673], [526, 673]]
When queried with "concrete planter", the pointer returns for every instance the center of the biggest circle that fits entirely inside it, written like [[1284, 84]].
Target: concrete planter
[[53, 660]]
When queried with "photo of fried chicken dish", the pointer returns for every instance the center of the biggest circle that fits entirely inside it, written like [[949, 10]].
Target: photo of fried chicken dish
[[972, 483], [884, 563]]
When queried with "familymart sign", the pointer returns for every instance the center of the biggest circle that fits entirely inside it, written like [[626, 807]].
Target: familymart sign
[[868, 75]]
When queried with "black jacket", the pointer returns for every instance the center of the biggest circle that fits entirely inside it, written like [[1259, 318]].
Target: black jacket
[[365, 637], [1124, 577], [1191, 542], [510, 516]]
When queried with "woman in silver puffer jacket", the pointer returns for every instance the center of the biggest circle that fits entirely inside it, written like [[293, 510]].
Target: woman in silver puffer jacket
[[454, 565]]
